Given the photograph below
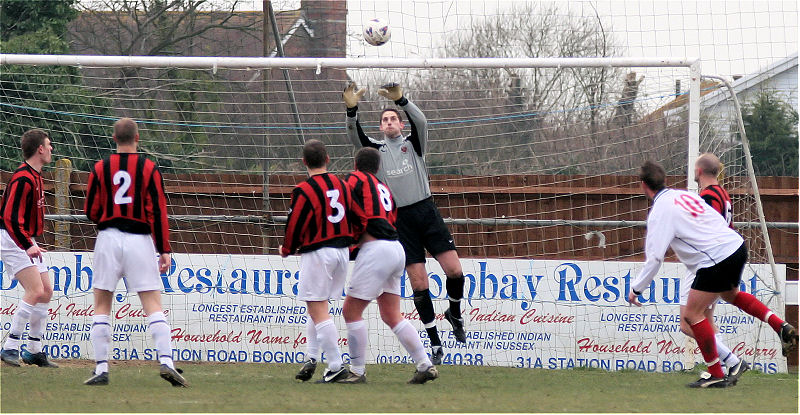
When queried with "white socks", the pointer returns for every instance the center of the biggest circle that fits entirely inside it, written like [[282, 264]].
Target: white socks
[[728, 358], [37, 321], [100, 336], [18, 322], [312, 347], [328, 338], [357, 344], [160, 332], [409, 338]]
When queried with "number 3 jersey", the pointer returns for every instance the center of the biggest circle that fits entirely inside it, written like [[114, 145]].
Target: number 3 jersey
[[126, 191], [373, 207], [697, 233], [318, 215]]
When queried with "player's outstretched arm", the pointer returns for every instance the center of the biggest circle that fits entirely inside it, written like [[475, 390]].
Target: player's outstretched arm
[[355, 133], [351, 96], [392, 91]]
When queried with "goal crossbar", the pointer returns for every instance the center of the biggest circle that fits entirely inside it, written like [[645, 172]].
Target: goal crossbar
[[340, 63]]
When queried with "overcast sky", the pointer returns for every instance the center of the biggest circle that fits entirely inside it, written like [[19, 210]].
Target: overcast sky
[[731, 37]]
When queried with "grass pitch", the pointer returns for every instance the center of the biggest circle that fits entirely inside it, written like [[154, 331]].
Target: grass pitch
[[220, 387]]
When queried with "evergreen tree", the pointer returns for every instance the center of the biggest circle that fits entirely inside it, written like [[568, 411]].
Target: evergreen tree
[[771, 127]]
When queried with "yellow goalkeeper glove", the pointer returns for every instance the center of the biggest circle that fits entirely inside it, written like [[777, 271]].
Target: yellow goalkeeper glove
[[350, 96], [392, 91]]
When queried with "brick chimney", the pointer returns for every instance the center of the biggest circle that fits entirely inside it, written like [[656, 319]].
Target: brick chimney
[[328, 19]]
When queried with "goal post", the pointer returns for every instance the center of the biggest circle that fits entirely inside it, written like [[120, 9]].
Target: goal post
[[532, 161]]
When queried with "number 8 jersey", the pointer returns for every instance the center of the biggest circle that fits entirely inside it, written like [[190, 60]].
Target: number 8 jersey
[[318, 215], [126, 191], [374, 210], [697, 233]]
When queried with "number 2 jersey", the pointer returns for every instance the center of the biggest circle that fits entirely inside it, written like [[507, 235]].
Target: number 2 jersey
[[126, 192], [373, 208], [697, 233], [318, 215]]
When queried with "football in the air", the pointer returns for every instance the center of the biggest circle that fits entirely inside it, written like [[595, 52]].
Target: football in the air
[[377, 32]]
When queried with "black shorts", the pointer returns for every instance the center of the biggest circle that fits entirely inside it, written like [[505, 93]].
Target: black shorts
[[420, 227], [723, 276]]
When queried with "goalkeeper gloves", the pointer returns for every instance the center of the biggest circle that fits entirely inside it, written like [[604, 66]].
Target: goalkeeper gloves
[[392, 91], [350, 96]]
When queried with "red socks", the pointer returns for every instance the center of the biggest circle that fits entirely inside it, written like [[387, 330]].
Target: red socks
[[704, 334], [750, 305]]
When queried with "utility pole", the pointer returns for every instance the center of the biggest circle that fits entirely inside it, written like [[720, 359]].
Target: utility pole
[[267, 227]]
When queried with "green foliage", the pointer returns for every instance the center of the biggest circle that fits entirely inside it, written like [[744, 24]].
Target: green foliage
[[771, 126], [47, 97], [18, 17], [188, 100]]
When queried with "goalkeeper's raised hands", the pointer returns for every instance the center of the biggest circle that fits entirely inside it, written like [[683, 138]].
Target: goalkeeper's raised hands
[[350, 96], [392, 91]]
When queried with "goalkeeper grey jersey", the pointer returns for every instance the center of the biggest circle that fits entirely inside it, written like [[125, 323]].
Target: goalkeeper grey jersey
[[402, 158]]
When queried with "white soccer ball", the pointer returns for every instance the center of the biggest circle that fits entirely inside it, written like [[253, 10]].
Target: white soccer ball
[[377, 32]]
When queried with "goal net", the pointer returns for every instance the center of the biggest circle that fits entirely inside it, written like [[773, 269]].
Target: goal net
[[533, 163]]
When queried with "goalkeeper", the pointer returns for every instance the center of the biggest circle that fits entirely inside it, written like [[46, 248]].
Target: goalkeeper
[[419, 224]]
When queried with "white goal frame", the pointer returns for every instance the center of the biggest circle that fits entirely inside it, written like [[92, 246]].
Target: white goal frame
[[213, 63]]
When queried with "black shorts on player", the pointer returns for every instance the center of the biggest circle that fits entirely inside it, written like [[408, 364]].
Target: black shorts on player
[[421, 227], [722, 276]]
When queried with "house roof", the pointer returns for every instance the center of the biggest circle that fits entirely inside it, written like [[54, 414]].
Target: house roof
[[299, 19], [707, 86], [712, 93], [753, 79]]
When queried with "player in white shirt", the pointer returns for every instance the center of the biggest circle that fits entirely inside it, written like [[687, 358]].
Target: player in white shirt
[[715, 253], [707, 169]]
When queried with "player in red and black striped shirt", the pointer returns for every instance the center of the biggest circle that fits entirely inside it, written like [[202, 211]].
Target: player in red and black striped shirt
[[373, 206], [23, 207], [23, 220], [318, 228], [125, 198], [126, 192], [706, 170], [317, 214], [377, 272]]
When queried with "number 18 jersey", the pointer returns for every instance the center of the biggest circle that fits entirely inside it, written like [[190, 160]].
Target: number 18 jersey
[[126, 191], [318, 215]]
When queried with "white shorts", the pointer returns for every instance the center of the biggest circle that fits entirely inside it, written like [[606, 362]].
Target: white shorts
[[15, 259], [322, 274], [686, 285], [125, 255], [378, 269]]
